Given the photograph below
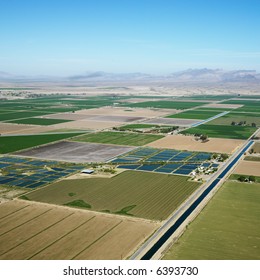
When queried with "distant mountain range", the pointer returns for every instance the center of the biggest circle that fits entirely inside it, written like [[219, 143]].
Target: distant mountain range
[[204, 75]]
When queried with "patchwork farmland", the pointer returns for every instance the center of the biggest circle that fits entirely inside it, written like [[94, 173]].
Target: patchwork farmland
[[148, 162]]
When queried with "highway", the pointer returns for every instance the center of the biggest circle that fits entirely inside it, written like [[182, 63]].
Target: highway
[[152, 245]]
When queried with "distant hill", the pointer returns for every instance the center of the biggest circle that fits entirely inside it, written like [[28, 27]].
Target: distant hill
[[203, 75]]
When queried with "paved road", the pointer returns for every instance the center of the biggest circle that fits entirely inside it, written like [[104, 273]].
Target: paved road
[[149, 248]]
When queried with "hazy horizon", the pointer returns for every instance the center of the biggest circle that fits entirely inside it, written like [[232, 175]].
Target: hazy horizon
[[63, 38]]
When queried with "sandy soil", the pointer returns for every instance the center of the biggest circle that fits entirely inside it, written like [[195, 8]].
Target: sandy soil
[[8, 128], [58, 232], [181, 142], [223, 106], [135, 112], [248, 168]]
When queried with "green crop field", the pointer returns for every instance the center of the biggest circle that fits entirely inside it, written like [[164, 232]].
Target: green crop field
[[140, 194], [196, 114], [237, 117], [119, 138], [20, 115], [222, 131], [165, 104], [10, 144], [39, 121], [226, 229], [248, 105]]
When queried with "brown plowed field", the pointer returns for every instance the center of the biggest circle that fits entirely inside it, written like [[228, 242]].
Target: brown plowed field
[[8, 128], [248, 168], [181, 142], [86, 124], [133, 112], [31, 230]]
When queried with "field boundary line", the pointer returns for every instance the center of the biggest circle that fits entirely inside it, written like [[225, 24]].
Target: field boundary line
[[100, 237], [26, 222], [14, 211], [77, 227], [37, 234]]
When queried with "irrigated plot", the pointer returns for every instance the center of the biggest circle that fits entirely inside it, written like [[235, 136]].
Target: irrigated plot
[[27, 173], [36, 231], [135, 193], [165, 104], [226, 229], [196, 114], [10, 144], [76, 152], [39, 121], [222, 131], [119, 138]]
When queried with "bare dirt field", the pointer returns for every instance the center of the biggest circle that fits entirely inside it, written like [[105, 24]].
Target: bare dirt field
[[65, 116], [248, 168], [222, 106], [76, 152], [86, 124], [59, 233], [133, 112], [181, 142], [109, 118], [6, 128], [171, 121]]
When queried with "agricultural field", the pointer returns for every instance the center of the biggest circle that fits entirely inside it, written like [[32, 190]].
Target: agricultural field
[[9, 144], [248, 105], [39, 121], [180, 105], [196, 114], [222, 131], [20, 115], [171, 121], [249, 118], [164, 161], [77, 152], [131, 193], [6, 128], [226, 229], [39, 232], [118, 138], [246, 167], [188, 143], [29, 173]]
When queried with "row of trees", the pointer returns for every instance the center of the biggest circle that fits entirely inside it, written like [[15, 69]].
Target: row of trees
[[242, 123]]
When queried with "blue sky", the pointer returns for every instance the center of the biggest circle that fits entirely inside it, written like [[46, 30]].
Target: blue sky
[[152, 36]]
